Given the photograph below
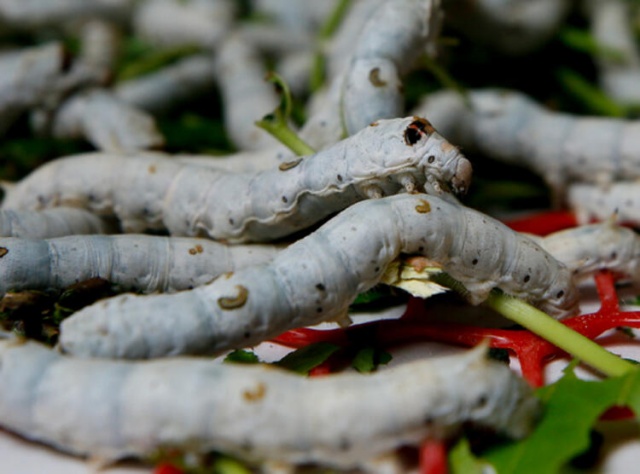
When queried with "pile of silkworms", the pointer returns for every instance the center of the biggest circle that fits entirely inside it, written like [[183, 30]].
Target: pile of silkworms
[[215, 253]]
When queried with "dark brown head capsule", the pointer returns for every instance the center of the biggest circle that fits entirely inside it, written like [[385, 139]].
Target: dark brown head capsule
[[416, 130]]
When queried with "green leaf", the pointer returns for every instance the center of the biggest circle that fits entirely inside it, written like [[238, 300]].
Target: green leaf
[[368, 359], [572, 407], [308, 357], [463, 461], [228, 465], [242, 356]]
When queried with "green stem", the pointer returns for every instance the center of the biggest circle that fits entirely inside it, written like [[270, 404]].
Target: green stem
[[558, 334], [281, 130], [277, 122]]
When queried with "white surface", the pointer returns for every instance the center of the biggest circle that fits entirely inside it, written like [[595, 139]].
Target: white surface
[[622, 444]]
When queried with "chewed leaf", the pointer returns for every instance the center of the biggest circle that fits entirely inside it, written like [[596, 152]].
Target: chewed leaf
[[572, 407], [306, 358], [414, 276]]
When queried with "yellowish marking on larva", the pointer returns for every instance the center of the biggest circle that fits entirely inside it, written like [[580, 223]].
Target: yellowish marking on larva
[[256, 394], [423, 207], [3, 251], [374, 78], [152, 169], [195, 250], [374, 124], [287, 165], [234, 302]]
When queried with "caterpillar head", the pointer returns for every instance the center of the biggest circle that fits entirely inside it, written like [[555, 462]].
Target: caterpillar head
[[441, 159]]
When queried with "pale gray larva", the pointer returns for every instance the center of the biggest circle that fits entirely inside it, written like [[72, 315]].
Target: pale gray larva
[[55, 222], [590, 248], [367, 86], [118, 409], [141, 263], [562, 148], [152, 192], [513, 27], [591, 202], [316, 279]]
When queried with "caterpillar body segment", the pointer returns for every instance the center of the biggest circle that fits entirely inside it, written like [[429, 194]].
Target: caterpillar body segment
[[142, 263], [316, 278], [118, 409], [153, 192], [591, 202], [590, 248], [562, 148], [56, 222]]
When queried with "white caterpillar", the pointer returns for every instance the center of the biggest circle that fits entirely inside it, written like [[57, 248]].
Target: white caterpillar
[[590, 248], [368, 88], [55, 222], [316, 279], [590, 202], [561, 147], [514, 27], [118, 409], [151, 192], [142, 263], [246, 96]]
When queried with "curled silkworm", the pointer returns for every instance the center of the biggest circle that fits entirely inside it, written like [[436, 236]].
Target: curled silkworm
[[118, 409], [561, 147], [316, 279], [590, 248], [368, 88], [152, 192], [591, 202], [514, 27], [55, 222], [391, 40], [107, 122], [246, 96], [160, 90], [141, 263]]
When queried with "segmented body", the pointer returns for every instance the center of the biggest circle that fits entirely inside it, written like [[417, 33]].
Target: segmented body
[[116, 409], [590, 248], [153, 192], [591, 202], [141, 263], [316, 279], [55, 222], [562, 148]]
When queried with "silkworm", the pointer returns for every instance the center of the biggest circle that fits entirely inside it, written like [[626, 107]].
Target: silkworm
[[27, 76], [152, 192], [591, 202], [316, 279], [619, 57], [178, 23], [560, 147], [118, 409], [106, 122], [142, 263], [514, 27], [55, 222], [368, 88], [246, 96], [590, 248]]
